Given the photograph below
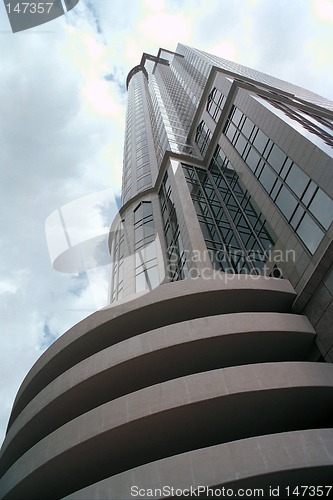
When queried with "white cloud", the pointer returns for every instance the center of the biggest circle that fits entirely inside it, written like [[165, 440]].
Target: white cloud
[[7, 287], [168, 29], [55, 147]]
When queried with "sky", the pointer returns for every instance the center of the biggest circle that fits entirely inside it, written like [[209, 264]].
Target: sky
[[62, 101]]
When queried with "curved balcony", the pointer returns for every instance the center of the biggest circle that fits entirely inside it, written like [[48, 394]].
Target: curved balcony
[[189, 368], [168, 304], [272, 461], [157, 356], [188, 413]]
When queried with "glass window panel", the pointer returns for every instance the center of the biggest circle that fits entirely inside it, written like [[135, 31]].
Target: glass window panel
[[217, 228], [240, 144], [143, 170], [217, 210], [275, 189], [153, 277], [286, 168], [151, 263], [252, 159], [206, 230], [138, 258], [140, 282], [307, 196], [217, 113], [140, 268], [150, 250], [247, 149], [147, 208], [276, 158], [247, 128], [266, 243], [260, 166], [286, 202], [267, 178], [138, 234], [297, 180], [149, 228], [250, 242], [242, 223], [297, 216], [231, 132], [142, 160], [268, 149], [142, 151], [144, 181], [322, 208], [260, 141], [236, 117], [310, 233], [245, 238], [138, 214], [231, 240]]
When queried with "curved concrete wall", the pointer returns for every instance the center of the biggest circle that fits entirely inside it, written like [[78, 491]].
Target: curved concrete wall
[[168, 304], [173, 417], [246, 463], [156, 356], [188, 367]]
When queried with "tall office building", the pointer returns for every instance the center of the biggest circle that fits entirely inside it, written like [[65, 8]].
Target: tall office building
[[211, 367]]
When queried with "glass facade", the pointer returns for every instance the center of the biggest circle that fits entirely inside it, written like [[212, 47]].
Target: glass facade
[[165, 115], [172, 106], [146, 270], [215, 104], [176, 254], [117, 253], [138, 159], [236, 236], [305, 206], [203, 137], [204, 61], [317, 129]]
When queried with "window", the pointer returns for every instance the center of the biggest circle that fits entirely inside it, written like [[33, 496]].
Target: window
[[117, 253], [177, 263], [286, 202], [146, 270], [276, 158], [260, 141], [235, 234], [215, 104], [203, 137], [317, 129], [144, 181], [322, 208], [253, 159], [143, 170], [304, 205], [142, 160], [267, 178], [310, 233], [297, 180]]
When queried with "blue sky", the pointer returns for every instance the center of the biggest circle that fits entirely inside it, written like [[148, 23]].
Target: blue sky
[[61, 131]]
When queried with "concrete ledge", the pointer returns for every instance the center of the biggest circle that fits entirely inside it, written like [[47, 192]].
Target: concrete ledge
[[170, 418], [167, 304], [159, 355], [286, 459]]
